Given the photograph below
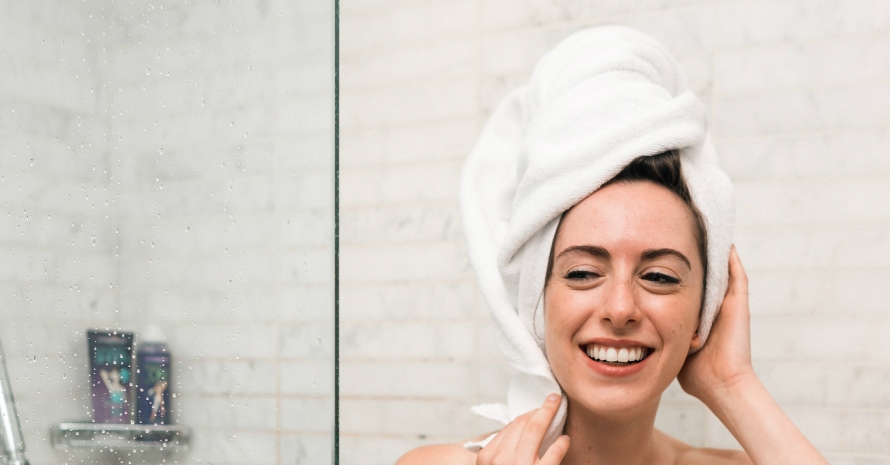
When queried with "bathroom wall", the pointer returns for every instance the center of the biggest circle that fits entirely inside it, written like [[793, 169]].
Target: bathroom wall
[[172, 163], [797, 92]]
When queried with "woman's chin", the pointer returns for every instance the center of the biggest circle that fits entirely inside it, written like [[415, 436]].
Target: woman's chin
[[609, 389], [612, 402]]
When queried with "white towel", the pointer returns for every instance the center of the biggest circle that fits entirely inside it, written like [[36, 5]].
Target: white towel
[[601, 98]]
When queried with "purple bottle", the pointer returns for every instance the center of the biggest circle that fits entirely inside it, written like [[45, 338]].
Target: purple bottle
[[152, 379], [110, 369]]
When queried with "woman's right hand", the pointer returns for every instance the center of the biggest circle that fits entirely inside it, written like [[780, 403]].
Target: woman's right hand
[[518, 443], [722, 376], [726, 358]]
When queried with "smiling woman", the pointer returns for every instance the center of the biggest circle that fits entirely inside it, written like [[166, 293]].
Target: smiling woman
[[622, 306], [627, 279], [595, 212]]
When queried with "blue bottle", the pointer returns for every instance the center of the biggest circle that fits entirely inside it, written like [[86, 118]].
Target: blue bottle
[[153, 380]]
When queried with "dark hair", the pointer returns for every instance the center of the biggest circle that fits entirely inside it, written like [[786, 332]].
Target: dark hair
[[663, 169]]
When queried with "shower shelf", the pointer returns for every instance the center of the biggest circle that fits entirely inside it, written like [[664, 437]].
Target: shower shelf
[[123, 437]]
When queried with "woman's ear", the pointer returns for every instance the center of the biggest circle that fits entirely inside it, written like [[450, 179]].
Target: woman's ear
[[696, 343]]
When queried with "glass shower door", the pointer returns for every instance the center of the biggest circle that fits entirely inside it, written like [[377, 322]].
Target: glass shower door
[[167, 169]]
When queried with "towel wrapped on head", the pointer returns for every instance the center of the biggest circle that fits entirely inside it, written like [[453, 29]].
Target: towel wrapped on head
[[603, 97]]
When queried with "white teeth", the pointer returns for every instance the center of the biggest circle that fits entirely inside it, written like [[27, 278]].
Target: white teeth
[[613, 354], [622, 354]]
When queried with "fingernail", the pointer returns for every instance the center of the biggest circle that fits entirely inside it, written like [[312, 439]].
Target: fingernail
[[553, 397]]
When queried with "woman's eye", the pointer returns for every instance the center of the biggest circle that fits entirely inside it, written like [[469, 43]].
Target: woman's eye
[[581, 275], [660, 278]]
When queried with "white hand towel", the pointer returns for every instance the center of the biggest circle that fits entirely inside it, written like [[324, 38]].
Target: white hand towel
[[601, 98]]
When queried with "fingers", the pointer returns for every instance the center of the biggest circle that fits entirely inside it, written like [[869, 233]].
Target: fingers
[[508, 438], [519, 441], [735, 302], [534, 432], [738, 279], [556, 452]]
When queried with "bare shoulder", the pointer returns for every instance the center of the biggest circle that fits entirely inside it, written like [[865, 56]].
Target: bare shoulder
[[696, 456], [439, 454], [684, 454]]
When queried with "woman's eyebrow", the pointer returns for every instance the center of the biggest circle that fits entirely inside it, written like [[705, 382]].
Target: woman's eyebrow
[[652, 254], [592, 250]]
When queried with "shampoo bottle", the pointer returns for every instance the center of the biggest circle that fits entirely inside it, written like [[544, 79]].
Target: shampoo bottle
[[111, 355], [152, 379]]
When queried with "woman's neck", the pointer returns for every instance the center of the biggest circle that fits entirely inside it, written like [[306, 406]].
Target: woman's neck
[[626, 439]]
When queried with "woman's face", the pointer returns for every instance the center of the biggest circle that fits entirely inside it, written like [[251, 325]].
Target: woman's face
[[626, 285]]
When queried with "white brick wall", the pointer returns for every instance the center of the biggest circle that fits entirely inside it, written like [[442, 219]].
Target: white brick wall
[[172, 163], [797, 91]]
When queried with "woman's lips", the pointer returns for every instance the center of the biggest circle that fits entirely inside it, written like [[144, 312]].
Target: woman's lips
[[616, 358], [604, 353]]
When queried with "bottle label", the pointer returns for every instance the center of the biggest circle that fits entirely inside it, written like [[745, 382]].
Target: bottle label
[[153, 389]]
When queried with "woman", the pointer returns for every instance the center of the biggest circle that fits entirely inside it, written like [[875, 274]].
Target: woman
[[600, 228]]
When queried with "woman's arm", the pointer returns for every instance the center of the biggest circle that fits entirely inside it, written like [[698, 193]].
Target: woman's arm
[[721, 376], [759, 424]]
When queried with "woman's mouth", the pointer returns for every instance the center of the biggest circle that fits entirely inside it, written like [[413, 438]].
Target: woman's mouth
[[616, 356]]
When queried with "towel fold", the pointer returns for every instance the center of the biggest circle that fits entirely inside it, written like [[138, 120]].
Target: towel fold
[[603, 97]]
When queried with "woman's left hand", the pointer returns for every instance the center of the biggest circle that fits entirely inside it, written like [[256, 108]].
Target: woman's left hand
[[726, 358], [519, 442]]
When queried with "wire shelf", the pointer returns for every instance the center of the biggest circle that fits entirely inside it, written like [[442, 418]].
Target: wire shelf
[[123, 437]]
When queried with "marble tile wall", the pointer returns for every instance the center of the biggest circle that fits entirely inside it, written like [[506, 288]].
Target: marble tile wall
[[796, 91], [171, 163]]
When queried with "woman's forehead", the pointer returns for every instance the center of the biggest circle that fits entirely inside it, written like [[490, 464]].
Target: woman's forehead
[[640, 215]]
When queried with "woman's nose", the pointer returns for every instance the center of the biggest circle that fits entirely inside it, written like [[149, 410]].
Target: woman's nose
[[621, 308]]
